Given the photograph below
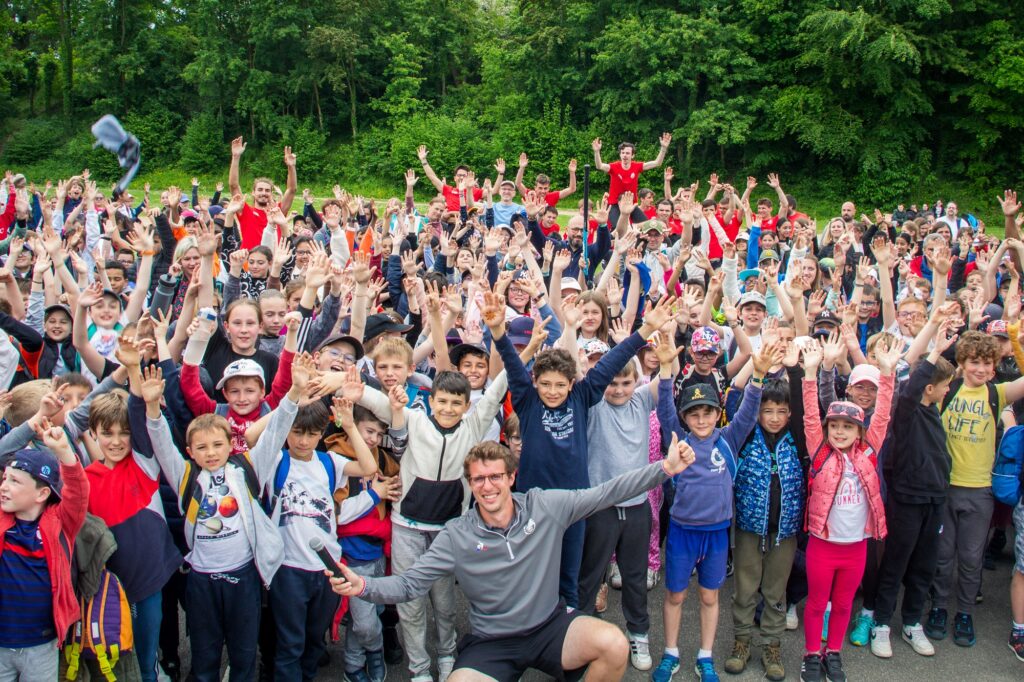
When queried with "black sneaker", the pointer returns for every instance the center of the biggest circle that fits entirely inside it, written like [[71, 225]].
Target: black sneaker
[[935, 628], [963, 630], [833, 666], [810, 669]]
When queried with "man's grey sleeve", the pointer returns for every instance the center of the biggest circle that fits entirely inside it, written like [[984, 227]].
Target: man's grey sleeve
[[573, 505], [438, 562]]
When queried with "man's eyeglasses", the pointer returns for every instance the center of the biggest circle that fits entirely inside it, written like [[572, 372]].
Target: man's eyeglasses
[[495, 479]]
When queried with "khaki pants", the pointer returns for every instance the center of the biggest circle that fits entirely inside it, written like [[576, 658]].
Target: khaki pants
[[765, 573]]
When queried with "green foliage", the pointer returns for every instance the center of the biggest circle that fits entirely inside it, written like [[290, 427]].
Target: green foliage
[[33, 142], [159, 132], [203, 143]]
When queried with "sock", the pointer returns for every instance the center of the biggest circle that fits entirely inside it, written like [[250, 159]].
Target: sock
[[1018, 628], [870, 613], [703, 653], [672, 651]]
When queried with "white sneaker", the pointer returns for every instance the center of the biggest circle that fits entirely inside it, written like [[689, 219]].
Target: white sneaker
[[880, 645], [792, 620], [915, 637], [422, 678], [652, 578], [445, 664], [614, 577], [639, 652]]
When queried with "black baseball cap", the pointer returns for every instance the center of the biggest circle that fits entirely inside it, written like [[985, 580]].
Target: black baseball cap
[[381, 323], [463, 349], [339, 338], [695, 395]]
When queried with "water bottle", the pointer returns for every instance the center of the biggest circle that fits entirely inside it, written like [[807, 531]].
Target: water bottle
[[163, 296]]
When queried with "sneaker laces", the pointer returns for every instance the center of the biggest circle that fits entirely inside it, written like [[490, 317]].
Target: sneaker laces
[[706, 666]]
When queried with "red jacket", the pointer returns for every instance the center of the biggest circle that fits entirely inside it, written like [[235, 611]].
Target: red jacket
[[61, 520], [827, 465]]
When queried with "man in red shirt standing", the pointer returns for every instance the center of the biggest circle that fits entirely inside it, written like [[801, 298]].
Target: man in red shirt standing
[[542, 184], [462, 173], [252, 219], [625, 175]]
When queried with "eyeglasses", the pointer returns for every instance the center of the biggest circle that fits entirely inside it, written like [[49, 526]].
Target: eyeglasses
[[335, 353], [304, 253], [495, 479], [909, 315], [515, 440]]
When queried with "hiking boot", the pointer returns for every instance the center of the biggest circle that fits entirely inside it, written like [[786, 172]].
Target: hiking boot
[[1016, 644], [771, 659], [737, 661], [792, 619], [668, 667], [640, 652], [614, 577], [915, 637], [705, 669], [652, 578], [810, 668], [376, 668], [880, 644], [833, 665], [601, 605], [963, 630], [861, 633], [935, 628]]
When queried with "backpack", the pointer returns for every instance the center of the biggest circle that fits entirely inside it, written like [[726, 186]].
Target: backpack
[[1008, 470], [105, 631], [190, 494], [284, 466], [993, 402]]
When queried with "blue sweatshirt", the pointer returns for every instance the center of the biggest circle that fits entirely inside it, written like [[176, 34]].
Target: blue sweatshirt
[[704, 491], [554, 451]]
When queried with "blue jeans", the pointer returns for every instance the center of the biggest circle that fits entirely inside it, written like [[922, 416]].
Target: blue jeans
[[146, 617], [303, 605]]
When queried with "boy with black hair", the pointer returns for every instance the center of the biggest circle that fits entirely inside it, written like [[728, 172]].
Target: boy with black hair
[[304, 484], [916, 464], [769, 492], [553, 413], [43, 502]]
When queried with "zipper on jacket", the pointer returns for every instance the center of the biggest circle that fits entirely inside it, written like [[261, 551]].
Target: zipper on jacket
[[440, 461]]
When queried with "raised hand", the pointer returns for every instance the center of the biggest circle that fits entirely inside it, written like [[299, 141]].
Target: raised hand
[[812, 354], [887, 354], [678, 457], [493, 313], [1009, 203], [152, 388], [289, 157], [237, 146]]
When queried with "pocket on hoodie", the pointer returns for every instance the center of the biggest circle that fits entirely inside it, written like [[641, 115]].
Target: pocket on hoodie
[[433, 501], [701, 503]]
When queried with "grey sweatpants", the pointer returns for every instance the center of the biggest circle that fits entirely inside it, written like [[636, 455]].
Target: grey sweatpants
[[407, 546], [364, 633], [962, 540], [32, 664]]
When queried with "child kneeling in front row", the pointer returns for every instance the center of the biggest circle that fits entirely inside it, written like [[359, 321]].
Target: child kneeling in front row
[[234, 544]]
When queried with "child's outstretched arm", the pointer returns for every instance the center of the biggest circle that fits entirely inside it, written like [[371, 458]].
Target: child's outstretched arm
[[887, 357], [813, 434], [167, 455], [365, 465], [742, 424]]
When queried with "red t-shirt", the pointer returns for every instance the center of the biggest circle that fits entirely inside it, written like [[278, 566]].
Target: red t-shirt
[[675, 225], [770, 225], [451, 196], [731, 230], [651, 212], [623, 179], [251, 221], [548, 231], [550, 198], [796, 215]]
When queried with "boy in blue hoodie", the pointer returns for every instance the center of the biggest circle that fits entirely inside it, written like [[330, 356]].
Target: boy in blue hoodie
[[552, 408], [698, 534]]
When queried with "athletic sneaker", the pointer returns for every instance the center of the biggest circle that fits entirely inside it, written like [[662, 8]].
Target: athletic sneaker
[[668, 667], [1016, 644], [445, 665], [705, 669], [737, 661], [376, 668], [601, 603], [792, 619], [640, 652], [861, 633], [915, 637], [652, 578], [833, 665], [935, 628], [356, 676], [963, 630], [614, 577], [880, 644], [810, 668]]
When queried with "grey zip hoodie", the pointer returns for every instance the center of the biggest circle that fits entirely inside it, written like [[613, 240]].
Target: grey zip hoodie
[[510, 576]]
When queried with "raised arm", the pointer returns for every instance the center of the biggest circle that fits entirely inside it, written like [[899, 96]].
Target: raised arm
[[79, 330], [664, 142], [237, 149], [427, 170], [598, 164], [571, 189], [291, 184]]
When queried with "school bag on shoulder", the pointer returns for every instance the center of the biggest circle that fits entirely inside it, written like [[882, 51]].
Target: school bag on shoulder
[[105, 631], [1008, 470], [993, 402], [190, 494], [284, 466]]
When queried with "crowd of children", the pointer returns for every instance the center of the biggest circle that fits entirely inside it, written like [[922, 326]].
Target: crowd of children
[[234, 389]]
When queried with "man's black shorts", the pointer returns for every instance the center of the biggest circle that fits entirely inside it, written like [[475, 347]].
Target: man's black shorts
[[507, 658]]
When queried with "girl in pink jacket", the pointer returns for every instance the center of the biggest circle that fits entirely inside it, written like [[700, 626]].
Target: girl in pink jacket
[[844, 507]]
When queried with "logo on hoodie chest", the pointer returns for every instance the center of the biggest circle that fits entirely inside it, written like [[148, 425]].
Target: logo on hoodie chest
[[717, 461], [481, 547]]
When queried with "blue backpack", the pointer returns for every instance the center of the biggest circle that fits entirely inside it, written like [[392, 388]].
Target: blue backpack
[[1009, 466], [281, 475]]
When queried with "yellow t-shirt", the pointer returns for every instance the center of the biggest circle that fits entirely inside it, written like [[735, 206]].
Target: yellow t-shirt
[[971, 435]]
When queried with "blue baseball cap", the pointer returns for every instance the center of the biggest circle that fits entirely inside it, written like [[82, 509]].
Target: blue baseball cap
[[42, 465], [520, 330]]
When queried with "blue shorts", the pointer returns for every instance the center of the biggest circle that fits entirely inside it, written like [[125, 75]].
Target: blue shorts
[[685, 548]]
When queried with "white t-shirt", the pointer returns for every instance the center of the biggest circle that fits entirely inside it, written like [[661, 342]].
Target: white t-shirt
[[307, 510], [494, 430], [220, 542], [849, 515]]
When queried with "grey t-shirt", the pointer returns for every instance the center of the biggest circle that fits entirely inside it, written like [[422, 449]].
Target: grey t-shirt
[[618, 439]]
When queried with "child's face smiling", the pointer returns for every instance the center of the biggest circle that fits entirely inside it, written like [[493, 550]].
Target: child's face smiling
[[620, 390], [701, 420], [243, 394], [553, 388], [210, 448], [842, 434], [106, 312], [114, 442], [977, 371], [448, 408], [773, 417], [58, 326], [391, 372]]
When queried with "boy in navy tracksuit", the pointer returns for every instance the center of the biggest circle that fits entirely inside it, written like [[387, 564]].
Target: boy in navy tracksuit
[[698, 534], [552, 408]]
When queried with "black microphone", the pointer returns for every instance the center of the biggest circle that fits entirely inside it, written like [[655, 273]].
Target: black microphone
[[317, 545]]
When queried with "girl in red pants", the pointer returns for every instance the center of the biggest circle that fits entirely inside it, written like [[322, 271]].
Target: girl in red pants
[[844, 508]]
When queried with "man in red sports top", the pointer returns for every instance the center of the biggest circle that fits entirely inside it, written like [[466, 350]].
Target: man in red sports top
[[252, 219], [625, 174], [451, 194], [542, 184]]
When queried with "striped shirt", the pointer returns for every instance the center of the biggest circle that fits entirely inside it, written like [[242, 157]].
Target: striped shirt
[[26, 596]]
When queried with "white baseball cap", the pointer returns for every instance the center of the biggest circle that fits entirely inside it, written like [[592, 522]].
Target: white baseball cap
[[242, 368]]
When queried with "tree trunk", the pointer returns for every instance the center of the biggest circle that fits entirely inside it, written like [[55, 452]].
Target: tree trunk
[[352, 97], [316, 99]]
